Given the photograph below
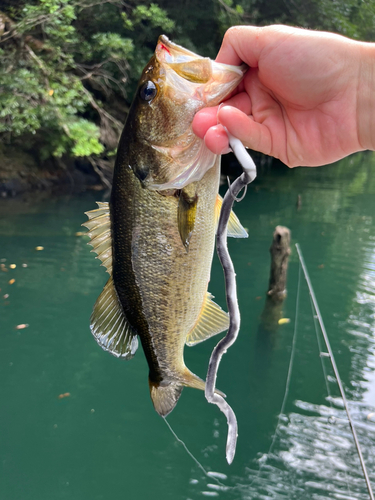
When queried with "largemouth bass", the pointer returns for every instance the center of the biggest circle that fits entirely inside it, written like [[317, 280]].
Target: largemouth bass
[[156, 236]]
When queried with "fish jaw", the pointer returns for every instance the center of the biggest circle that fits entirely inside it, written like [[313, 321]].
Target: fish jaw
[[202, 78]]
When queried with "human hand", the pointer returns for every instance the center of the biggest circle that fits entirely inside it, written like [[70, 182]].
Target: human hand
[[306, 99]]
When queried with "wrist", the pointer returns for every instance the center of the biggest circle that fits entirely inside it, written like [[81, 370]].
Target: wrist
[[366, 96]]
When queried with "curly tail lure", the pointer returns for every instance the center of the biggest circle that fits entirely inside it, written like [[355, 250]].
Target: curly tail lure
[[248, 175]]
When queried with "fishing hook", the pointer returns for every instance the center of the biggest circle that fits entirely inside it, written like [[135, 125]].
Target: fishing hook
[[234, 197]]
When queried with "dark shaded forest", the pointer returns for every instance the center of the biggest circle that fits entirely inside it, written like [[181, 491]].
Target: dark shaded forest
[[69, 70]]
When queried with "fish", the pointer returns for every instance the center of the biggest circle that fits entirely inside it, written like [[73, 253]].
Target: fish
[[156, 235]]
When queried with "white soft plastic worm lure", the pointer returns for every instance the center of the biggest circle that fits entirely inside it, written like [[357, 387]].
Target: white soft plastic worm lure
[[248, 175]]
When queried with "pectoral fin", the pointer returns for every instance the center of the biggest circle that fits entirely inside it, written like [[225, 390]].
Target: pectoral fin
[[110, 327], [235, 228], [212, 320], [186, 213]]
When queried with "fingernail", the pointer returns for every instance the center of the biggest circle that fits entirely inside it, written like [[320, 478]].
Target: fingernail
[[226, 151]]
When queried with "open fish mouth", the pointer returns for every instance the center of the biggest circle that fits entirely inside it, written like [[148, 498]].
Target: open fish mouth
[[210, 81], [192, 82]]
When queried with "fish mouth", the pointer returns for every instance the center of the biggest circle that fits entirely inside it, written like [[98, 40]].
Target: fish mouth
[[169, 52], [192, 82], [214, 81]]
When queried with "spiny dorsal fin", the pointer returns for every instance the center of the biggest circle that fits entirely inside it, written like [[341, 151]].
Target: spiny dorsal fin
[[212, 320], [109, 325], [99, 226], [235, 228]]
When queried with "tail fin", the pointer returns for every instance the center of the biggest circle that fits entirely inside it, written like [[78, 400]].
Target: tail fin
[[165, 397]]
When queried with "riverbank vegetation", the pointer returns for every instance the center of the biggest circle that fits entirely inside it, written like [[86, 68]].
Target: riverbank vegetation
[[68, 68]]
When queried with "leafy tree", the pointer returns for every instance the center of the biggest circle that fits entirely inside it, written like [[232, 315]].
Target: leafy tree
[[65, 68]]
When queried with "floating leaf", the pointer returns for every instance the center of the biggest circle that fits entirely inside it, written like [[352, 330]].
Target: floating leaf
[[65, 395], [22, 326]]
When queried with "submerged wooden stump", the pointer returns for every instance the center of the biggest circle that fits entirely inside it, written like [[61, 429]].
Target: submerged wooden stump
[[276, 294], [280, 251]]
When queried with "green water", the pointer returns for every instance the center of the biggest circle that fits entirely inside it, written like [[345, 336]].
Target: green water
[[104, 440]]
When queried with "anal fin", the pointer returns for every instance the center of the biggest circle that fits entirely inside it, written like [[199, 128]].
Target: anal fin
[[109, 325], [235, 228], [212, 320]]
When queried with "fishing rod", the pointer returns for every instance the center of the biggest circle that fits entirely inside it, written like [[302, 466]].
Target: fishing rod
[[336, 372]]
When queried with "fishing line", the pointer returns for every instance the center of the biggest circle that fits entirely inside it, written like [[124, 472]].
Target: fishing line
[[192, 456], [336, 372], [288, 379], [291, 362]]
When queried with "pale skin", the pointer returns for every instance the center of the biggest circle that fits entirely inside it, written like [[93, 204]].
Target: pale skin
[[308, 97]]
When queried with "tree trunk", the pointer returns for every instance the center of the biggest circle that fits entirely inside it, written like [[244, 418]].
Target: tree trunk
[[280, 251]]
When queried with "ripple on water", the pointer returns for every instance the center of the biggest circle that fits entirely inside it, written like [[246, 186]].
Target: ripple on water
[[315, 457]]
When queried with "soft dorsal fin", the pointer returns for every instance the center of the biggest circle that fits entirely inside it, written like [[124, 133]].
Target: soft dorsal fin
[[235, 228], [212, 320], [99, 226], [109, 325]]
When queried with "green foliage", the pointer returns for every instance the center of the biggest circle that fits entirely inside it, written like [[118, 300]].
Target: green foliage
[[352, 18], [64, 63], [81, 139], [156, 16], [112, 45], [230, 13]]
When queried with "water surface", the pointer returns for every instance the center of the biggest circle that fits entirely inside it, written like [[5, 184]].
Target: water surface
[[76, 423]]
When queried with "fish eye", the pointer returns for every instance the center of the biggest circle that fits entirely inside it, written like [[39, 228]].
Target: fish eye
[[148, 91]]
